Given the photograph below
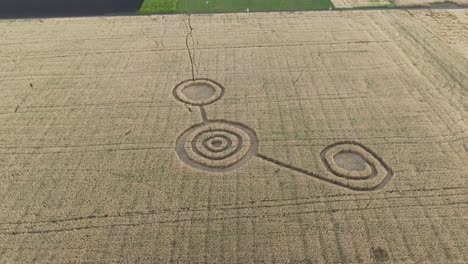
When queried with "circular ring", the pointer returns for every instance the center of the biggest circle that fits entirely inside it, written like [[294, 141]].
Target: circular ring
[[198, 92], [218, 143], [234, 140], [349, 161], [217, 146]]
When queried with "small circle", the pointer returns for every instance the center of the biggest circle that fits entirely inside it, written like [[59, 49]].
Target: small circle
[[200, 145], [217, 146], [379, 254], [198, 92], [350, 161], [218, 143], [355, 166]]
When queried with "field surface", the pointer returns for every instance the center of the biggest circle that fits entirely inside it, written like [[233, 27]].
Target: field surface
[[451, 26], [347, 4], [422, 3], [315, 137], [217, 6]]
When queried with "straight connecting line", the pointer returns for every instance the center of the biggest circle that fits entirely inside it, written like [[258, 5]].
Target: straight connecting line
[[203, 114]]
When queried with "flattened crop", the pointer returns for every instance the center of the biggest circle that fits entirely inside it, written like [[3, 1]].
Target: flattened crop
[[323, 137]]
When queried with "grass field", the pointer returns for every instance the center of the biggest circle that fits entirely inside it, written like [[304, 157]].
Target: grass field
[[158, 7], [215, 6]]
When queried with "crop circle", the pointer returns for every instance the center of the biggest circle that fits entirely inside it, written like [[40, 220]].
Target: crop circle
[[350, 161], [218, 143], [198, 92], [217, 146]]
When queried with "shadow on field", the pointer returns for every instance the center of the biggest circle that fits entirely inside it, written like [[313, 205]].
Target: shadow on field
[[60, 8]]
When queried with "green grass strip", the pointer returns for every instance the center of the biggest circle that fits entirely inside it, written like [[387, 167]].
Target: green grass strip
[[158, 7], [227, 6]]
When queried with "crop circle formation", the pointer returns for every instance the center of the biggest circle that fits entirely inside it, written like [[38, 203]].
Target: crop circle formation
[[221, 145], [198, 92], [217, 146], [350, 161]]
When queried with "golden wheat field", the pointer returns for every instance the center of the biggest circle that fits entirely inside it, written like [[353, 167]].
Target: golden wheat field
[[308, 137]]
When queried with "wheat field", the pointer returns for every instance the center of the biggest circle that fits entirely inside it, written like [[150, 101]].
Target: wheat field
[[309, 137]]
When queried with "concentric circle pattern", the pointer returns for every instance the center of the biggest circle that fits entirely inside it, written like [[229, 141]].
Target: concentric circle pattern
[[217, 145]]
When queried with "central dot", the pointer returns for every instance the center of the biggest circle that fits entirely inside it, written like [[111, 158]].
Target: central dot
[[350, 161], [199, 91], [216, 143]]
